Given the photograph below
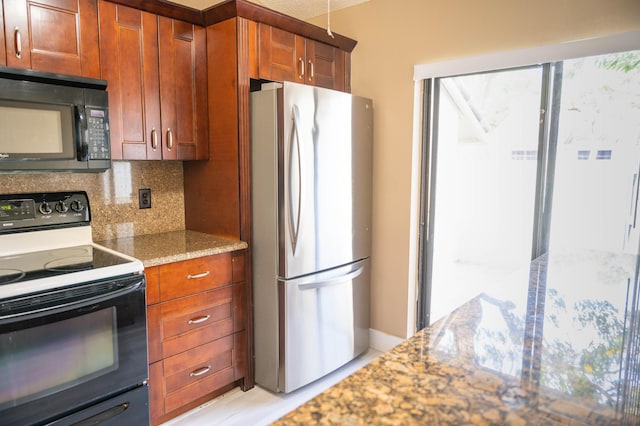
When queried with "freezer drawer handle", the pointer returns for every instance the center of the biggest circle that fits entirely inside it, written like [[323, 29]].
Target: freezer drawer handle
[[196, 276], [200, 371], [199, 319], [332, 281]]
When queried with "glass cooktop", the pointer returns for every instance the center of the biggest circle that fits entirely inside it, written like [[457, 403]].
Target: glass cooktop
[[30, 266]]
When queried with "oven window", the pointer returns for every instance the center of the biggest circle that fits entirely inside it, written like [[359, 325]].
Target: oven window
[[39, 361]]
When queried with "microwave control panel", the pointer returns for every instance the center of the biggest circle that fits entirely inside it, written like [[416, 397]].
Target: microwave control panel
[[97, 133]]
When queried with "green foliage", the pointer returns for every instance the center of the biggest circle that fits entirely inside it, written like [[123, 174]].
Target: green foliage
[[625, 62]]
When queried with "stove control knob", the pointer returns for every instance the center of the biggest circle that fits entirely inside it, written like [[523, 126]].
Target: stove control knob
[[77, 206], [45, 208], [62, 207]]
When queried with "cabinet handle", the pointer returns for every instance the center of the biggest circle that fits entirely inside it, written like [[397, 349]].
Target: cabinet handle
[[310, 70], [169, 139], [200, 371], [301, 61], [18, 42], [196, 276], [198, 320], [154, 139]]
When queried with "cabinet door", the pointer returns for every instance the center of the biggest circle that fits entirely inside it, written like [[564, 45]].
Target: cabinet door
[[280, 55], [284, 56], [183, 90], [325, 65], [59, 36], [129, 50]]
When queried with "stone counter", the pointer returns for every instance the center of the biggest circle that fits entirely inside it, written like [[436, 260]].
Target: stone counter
[[487, 363], [167, 247]]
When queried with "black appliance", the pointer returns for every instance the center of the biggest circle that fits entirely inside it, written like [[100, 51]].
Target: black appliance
[[73, 341], [53, 122]]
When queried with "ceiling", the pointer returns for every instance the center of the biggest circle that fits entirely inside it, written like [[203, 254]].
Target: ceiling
[[301, 9]]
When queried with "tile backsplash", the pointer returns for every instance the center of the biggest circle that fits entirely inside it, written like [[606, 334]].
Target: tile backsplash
[[113, 195]]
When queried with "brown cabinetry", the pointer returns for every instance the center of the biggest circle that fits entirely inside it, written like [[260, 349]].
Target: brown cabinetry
[[59, 36], [155, 68], [196, 331], [284, 56], [3, 48]]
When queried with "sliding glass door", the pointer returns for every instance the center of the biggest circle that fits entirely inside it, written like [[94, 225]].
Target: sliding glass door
[[531, 210], [593, 236], [487, 128]]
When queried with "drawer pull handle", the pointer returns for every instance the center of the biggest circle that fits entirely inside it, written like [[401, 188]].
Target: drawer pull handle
[[200, 371], [196, 276], [198, 320]]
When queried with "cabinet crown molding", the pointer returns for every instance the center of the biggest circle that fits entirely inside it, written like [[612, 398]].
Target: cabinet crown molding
[[241, 9], [251, 11]]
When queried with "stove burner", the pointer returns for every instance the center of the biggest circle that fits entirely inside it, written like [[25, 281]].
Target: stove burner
[[70, 264], [74, 251], [8, 276]]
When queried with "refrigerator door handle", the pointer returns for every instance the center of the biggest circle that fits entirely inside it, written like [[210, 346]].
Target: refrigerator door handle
[[332, 281], [294, 228]]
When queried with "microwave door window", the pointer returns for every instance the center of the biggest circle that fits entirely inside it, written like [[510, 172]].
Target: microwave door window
[[36, 131]]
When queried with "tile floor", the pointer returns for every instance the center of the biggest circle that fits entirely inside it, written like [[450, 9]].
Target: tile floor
[[258, 406]]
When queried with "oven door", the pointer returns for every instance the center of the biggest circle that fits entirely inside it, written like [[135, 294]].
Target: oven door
[[65, 350]]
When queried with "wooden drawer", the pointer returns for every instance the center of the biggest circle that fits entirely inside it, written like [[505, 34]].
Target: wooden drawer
[[194, 320], [187, 322], [203, 387], [194, 276], [183, 315], [198, 364], [171, 385], [197, 337]]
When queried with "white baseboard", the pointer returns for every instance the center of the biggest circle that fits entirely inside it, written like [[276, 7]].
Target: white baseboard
[[383, 342]]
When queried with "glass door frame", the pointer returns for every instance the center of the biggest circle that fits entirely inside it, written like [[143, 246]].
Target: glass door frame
[[547, 140]]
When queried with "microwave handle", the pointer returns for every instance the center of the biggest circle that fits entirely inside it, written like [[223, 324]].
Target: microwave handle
[[82, 148]]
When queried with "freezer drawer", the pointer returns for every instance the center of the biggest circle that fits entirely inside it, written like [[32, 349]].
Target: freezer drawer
[[324, 323]]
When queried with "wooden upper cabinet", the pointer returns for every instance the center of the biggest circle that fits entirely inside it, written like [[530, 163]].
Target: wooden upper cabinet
[[279, 57], [325, 65], [59, 36], [183, 88], [155, 69], [129, 62], [284, 56]]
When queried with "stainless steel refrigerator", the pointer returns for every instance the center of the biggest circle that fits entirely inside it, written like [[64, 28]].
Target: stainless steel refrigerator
[[311, 159]]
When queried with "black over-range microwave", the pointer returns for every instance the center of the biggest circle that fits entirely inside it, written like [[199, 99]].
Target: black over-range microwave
[[53, 122]]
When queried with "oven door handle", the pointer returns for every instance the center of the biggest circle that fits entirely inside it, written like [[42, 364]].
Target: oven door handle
[[103, 297]]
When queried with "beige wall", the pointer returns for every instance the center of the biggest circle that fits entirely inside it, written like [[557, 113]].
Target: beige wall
[[395, 35]]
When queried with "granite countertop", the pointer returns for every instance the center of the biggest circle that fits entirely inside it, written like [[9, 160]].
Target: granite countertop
[[167, 247], [489, 363]]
